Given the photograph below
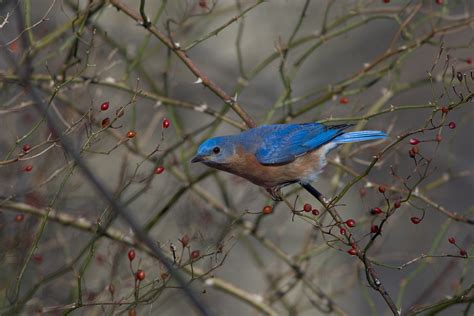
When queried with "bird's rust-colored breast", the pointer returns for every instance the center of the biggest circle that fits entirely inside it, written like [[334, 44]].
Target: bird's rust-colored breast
[[246, 165]]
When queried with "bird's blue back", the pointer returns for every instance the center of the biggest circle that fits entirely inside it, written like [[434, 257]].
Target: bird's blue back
[[282, 143]]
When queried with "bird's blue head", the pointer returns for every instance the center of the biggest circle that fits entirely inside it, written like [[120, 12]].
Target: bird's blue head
[[215, 151]]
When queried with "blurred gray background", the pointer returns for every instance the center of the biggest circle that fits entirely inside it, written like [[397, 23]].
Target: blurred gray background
[[249, 265]]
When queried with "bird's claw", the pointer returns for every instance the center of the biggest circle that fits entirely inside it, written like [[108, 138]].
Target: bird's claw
[[275, 192]]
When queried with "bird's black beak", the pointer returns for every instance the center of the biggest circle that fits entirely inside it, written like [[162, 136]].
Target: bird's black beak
[[198, 158]]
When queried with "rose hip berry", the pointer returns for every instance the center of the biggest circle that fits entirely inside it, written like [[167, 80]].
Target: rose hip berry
[[131, 134], [376, 211], [104, 106], [140, 275], [166, 123], [315, 212], [374, 229], [184, 240], [28, 168], [382, 189], [352, 252], [415, 220], [26, 148], [452, 240], [414, 141], [267, 209], [452, 125], [307, 207], [131, 255], [159, 170], [19, 218], [105, 122], [343, 100], [463, 252], [195, 254], [350, 222]]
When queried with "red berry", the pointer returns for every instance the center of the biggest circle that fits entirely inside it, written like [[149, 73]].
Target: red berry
[[164, 276], [440, 2], [131, 255], [374, 229], [350, 222], [159, 170], [267, 209], [307, 207], [26, 148], [19, 218], [382, 189], [352, 252], [105, 122], [452, 240], [413, 151], [452, 125], [315, 212], [469, 60], [445, 110], [140, 275], [342, 231], [386, 1], [132, 312], [414, 141], [376, 210], [38, 259], [397, 204], [131, 134], [463, 252], [343, 100], [104, 106], [415, 220], [195, 254], [166, 123], [438, 138], [203, 4], [184, 240], [13, 46], [28, 168]]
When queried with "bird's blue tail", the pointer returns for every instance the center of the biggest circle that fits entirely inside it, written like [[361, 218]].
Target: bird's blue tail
[[360, 136]]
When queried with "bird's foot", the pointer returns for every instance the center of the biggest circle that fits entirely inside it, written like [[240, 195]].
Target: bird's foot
[[275, 192]]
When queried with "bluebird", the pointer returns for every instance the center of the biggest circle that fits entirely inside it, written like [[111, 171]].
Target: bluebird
[[274, 156]]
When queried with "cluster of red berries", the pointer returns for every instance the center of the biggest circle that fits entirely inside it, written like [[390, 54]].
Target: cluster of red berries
[[309, 208], [462, 252], [139, 274]]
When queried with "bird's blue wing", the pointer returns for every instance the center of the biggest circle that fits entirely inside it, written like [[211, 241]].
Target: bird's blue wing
[[282, 143]]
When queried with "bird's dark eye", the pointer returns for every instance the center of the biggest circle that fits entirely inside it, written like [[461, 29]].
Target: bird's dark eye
[[216, 150]]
